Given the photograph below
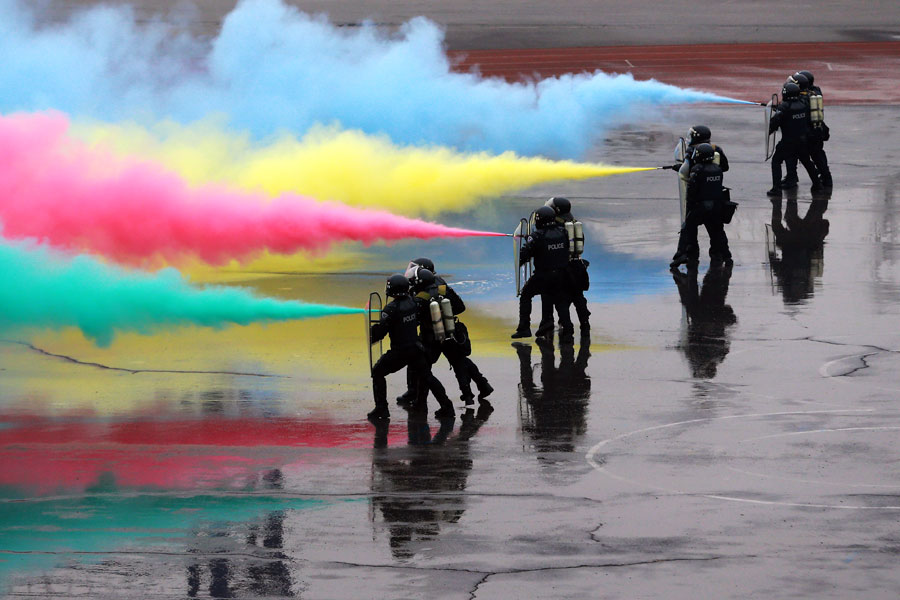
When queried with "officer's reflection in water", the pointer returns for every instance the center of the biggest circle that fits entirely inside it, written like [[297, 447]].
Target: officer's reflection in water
[[418, 487], [802, 246], [708, 318], [554, 413], [262, 569]]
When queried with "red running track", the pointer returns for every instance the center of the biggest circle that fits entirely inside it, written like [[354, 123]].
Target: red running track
[[848, 72]]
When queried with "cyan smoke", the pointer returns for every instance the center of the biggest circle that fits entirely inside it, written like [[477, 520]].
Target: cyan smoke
[[273, 68], [44, 290]]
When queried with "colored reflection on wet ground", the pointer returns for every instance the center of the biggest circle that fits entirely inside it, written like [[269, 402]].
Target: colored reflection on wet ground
[[705, 411]]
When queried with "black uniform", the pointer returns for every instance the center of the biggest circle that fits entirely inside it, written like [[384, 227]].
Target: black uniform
[[458, 348], [549, 247], [400, 321], [576, 282], [818, 135], [792, 117], [454, 351], [705, 199]]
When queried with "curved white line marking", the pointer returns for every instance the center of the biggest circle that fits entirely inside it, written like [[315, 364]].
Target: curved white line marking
[[592, 453], [811, 431], [813, 481]]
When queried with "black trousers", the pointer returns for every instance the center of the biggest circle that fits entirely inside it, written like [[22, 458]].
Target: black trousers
[[552, 288], [792, 151], [687, 240], [581, 311], [816, 149], [464, 369], [395, 359]]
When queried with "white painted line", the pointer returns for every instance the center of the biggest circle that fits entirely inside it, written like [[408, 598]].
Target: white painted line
[[811, 431], [814, 481], [592, 460], [829, 66], [628, 62]]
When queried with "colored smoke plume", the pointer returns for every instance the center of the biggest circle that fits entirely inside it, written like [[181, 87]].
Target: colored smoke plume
[[45, 290], [273, 68], [59, 191], [348, 166]]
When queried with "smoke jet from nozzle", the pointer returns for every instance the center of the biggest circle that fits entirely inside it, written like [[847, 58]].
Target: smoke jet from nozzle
[[273, 68], [46, 290], [347, 166], [57, 190]]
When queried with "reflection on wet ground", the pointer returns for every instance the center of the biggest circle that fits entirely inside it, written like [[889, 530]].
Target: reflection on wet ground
[[706, 318], [554, 413], [736, 428], [419, 487], [801, 242]]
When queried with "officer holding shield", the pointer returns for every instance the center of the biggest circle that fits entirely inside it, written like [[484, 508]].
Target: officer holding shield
[[706, 201], [549, 247], [792, 116]]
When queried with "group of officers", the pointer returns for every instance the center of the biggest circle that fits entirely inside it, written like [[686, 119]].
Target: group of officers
[[421, 317], [800, 118], [418, 336]]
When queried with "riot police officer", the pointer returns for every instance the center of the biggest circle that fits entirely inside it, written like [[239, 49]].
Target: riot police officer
[[549, 247], [819, 134], [705, 205], [701, 134], [424, 291], [792, 117], [400, 321], [456, 348], [577, 279]]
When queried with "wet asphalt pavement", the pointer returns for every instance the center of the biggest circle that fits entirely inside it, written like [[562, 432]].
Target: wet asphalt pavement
[[729, 435]]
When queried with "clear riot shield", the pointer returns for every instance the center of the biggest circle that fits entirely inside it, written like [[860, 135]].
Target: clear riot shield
[[683, 174], [523, 272], [770, 137], [373, 315]]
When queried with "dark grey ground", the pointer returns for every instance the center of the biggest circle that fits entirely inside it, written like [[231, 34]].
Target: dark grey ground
[[723, 457], [744, 457], [513, 24]]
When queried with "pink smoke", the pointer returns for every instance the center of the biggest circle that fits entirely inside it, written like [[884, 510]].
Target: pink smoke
[[72, 196]]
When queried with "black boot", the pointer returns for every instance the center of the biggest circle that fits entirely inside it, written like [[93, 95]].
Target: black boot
[[380, 412], [485, 389]]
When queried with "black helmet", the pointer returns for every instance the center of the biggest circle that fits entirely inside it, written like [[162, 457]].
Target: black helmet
[[790, 90], [703, 153], [801, 81], [544, 216], [560, 206], [699, 134], [422, 278], [808, 75], [397, 285], [424, 262]]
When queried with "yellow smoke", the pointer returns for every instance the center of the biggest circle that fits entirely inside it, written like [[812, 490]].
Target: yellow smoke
[[332, 164]]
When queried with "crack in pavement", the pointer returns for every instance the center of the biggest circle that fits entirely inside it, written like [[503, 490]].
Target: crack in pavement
[[473, 593], [488, 574], [135, 371]]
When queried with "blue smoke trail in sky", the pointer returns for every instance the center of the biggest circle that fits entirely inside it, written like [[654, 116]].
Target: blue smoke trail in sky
[[273, 67]]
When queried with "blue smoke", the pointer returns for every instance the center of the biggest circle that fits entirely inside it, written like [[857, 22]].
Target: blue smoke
[[273, 68]]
